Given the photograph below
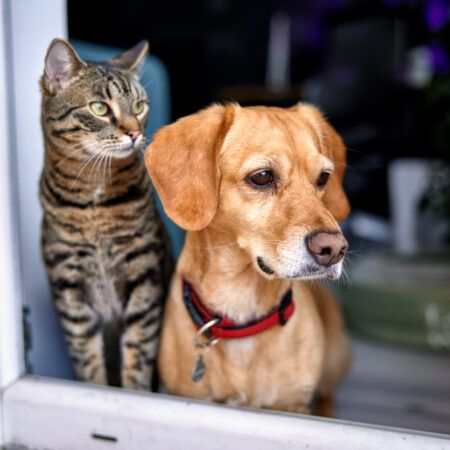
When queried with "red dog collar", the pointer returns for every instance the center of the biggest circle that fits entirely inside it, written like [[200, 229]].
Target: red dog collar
[[226, 328]]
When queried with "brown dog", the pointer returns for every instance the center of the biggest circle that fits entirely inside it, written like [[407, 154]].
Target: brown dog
[[259, 190]]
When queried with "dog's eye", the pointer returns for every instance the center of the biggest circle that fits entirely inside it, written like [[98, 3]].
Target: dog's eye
[[261, 179], [323, 179]]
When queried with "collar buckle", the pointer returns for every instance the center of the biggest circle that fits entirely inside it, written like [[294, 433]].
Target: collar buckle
[[205, 330]]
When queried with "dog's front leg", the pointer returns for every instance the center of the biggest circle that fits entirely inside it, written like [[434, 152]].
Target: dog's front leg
[[239, 399], [301, 403]]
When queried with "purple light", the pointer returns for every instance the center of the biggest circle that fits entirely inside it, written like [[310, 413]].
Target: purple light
[[439, 58], [436, 14]]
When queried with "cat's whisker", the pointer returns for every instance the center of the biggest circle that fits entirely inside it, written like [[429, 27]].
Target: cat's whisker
[[80, 172], [98, 165], [86, 163], [103, 163], [80, 144], [106, 168], [110, 162], [149, 83], [143, 71], [76, 149], [68, 157], [93, 163]]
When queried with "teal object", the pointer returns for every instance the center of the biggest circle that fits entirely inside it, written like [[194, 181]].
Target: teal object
[[155, 79]]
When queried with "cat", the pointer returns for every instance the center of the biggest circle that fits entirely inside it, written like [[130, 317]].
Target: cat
[[102, 240]]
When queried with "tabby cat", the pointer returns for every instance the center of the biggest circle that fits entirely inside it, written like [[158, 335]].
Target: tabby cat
[[101, 237]]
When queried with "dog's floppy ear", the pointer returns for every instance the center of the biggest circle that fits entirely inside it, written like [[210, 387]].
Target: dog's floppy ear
[[335, 198], [182, 161], [332, 146]]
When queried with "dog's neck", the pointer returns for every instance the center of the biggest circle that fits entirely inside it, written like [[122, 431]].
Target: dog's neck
[[225, 277]]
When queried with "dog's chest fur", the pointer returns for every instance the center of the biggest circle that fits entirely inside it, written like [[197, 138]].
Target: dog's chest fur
[[276, 369]]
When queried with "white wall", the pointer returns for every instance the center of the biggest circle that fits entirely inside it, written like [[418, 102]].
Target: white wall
[[34, 23]]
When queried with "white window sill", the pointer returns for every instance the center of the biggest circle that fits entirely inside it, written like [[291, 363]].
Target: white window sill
[[49, 414]]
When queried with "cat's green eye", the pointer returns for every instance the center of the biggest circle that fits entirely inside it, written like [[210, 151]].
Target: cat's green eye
[[99, 108], [139, 107]]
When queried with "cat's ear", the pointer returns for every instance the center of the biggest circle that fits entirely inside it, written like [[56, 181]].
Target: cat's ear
[[133, 58], [62, 64]]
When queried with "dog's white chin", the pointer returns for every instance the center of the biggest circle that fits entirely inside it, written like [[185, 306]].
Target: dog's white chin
[[310, 271], [315, 272]]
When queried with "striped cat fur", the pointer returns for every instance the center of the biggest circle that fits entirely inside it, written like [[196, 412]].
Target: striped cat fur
[[101, 237]]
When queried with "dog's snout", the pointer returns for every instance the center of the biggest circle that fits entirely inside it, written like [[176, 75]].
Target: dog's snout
[[326, 248]]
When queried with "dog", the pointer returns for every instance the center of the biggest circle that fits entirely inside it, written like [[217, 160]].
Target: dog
[[259, 190]]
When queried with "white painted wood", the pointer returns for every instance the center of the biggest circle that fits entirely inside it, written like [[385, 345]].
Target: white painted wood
[[10, 314], [11, 345], [34, 23], [64, 415]]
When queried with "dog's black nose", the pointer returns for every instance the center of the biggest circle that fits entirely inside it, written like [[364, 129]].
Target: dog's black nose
[[326, 247]]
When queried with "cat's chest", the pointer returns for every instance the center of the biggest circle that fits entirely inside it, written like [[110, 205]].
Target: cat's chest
[[103, 282], [105, 276], [102, 218]]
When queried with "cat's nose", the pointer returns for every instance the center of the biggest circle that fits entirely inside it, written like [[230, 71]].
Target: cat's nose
[[133, 134]]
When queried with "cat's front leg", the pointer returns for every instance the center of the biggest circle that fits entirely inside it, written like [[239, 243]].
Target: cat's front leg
[[83, 332], [142, 317]]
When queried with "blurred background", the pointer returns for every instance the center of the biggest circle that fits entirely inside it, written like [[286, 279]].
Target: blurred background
[[380, 71]]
